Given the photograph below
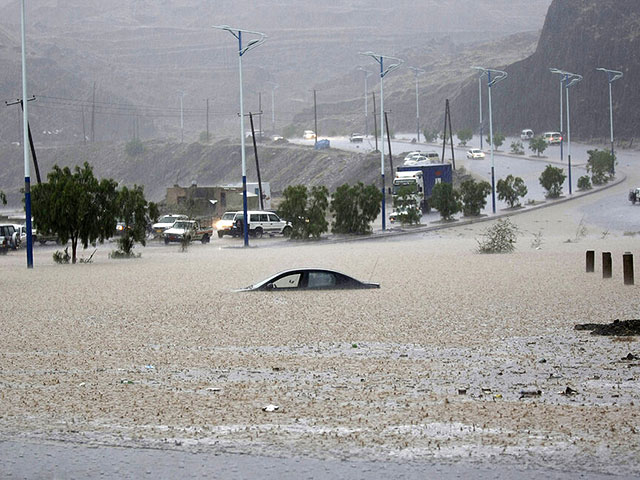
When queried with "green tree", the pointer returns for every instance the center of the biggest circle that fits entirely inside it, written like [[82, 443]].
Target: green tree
[[133, 211], [75, 206], [517, 147], [355, 207], [406, 206], [307, 213], [600, 164], [430, 136], [446, 200], [134, 147], [538, 145], [551, 180], [511, 189], [290, 131], [498, 140], [464, 136], [584, 183], [474, 196]]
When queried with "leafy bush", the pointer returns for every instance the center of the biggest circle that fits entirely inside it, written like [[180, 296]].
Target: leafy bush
[[62, 257], [501, 237], [354, 208], [498, 140], [134, 147], [204, 137], [600, 164], [406, 206], [511, 189], [538, 145], [551, 180], [135, 213], [307, 214], [291, 131], [517, 147], [430, 136], [464, 136], [474, 196], [584, 183], [446, 200]]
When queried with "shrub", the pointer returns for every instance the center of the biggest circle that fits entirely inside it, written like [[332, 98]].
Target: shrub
[[354, 208], [62, 257], [517, 147], [134, 147], [446, 200], [600, 164], [498, 140], [551, 180], [584, 183], [290, 131], [501, 237], [537, 145], [511, 189], [474, 196], [464, 136], [430, 136], [407, 207]]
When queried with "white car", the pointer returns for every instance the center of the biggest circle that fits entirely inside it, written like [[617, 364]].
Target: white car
[[356, 138], [260, 223], [475, 153], [553, 138], [309, 135], [182, 228], [527, 134], [166, 222]]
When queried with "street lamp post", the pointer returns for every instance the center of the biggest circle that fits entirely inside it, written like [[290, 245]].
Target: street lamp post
[[367, 74], [417, 71], [273, 109], [236, 32], [612, 76], [480, 105], [383, 72], [493, 77], [25, 144], [562, 78], [182, 94]]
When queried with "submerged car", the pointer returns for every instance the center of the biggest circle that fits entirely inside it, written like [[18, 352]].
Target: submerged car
[[309, 279], [475, 153]]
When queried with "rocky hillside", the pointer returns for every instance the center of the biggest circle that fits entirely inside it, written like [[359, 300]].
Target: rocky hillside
[[578, 36]]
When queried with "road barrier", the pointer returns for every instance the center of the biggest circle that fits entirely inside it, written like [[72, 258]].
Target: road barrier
[[627, 267], [606, 265]]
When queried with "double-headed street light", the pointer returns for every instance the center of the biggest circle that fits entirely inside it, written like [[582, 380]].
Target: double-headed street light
[[383, 72], [255, 42], [612, 76], [417, 71], [493, 77], [562, 78], [367, 74], [570, 79]]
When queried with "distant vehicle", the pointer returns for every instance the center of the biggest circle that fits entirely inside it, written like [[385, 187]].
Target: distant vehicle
[[393, 216], [475, 153], [634, 195], [260, 222], [223, 226], [9, 238], [322, 144], [417, 157], [356, 138], [309, 135], [276, 138], [166, 222], [420, 179], [183, 228], [527, 134], [552, 138], [309, 279], [22, 232]]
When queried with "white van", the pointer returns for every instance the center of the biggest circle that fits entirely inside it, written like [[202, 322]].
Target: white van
[[527, 134], [260, 223]]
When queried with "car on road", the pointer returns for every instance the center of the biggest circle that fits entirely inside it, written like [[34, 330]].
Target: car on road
[[187, 228], [552, 138], [309, 135], [356, 138], [224, 225], [9, 237], [165, 222], [526, 134], [474, 153], [260, 223], [309, 279]]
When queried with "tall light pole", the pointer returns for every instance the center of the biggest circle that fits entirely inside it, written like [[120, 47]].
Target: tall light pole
[[273, 108], [25, 144], [562, 78], [417, 71], [383, 72], [367, 74], [182, 94], [480, 104], [612, 76], [236, 32], [493, 77]]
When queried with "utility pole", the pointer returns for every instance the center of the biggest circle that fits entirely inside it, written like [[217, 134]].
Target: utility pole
[[207, 120], [386, 121], [375, 122], [315, 116], [182, 94], [84, 133], [255, 151], [93, 115], [447, 123], [260, 109], [31, 146]]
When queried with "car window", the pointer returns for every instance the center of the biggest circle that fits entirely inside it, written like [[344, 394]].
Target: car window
[[321, 280], [288, 281], [273, 218], [264, 217], [254, 217], [228, 216]]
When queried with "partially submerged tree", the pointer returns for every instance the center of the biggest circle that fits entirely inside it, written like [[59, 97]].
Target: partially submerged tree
[[306, 212], [407, 206], [501, 237], [538, 145], [355, 207], [498, 140], [511, 189], [75, 206], [474, 196], [135, 214], [446, 200], [464, 136], [600, 165], [552, 179]]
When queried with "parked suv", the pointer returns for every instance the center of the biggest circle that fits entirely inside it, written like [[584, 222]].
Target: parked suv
[[9, 238], [553, 138], [260, 222], [527, 134]]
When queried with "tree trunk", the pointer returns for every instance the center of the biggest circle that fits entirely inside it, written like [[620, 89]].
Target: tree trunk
[[74, 246]]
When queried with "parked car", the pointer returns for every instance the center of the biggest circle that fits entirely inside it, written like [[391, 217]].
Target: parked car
[[223, 226], [309, 278], [474, 153], [413, 158], [309, 135], [527, 134], [260, 222], [552, 138], [356, 138], [165, 222], [22, 232], [9, 237], [183, 228]]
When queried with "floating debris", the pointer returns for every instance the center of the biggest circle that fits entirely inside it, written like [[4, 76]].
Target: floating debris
[[271, 408]]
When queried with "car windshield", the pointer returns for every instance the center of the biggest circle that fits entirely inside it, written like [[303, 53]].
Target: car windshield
[[183, 225], [228, 216], [167, 219]]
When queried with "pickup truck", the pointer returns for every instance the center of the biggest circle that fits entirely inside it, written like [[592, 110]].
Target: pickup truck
[[191, 228]]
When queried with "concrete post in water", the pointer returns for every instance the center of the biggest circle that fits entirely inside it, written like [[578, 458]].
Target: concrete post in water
[[627, 267], [591, 261], [606, 265]]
